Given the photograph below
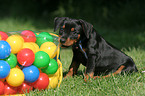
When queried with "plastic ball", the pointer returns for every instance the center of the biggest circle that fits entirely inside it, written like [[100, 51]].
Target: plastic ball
[[35, 46], [29, 46], [28, 36], [4, 69], [16, 43], [9, 89], [50, 48], [31, 73], [43, 37], [24, 88], [57, 74], [42, 59], [11, 60], [1, 88], [42, 81], [4, 36], [20, 38], [51, 68], [25, 57], [5, 49], [53, 82], [15, 78]]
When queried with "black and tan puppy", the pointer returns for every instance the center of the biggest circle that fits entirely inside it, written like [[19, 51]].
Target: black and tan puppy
[[91, 50]]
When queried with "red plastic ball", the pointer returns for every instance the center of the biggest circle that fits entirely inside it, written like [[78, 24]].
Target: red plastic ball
[[24, 88], [42, 81], [25, 57], [9, 89], [1, 88], [28, 36], [4, 36]]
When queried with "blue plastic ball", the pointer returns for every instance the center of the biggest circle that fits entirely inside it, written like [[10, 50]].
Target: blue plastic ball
[[31, 73], [5, 49], [4, 69]]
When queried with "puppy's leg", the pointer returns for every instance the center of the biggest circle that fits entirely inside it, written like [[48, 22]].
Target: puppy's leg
[[88, 75], [90, 68], [73, 67], [115, 73]]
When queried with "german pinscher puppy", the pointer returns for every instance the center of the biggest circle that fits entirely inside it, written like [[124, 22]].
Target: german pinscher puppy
[[91, 50]]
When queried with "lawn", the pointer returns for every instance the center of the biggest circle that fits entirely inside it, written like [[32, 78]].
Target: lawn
[[130, 41]]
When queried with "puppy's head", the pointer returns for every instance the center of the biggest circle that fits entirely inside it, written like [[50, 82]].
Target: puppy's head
[[70, 30]]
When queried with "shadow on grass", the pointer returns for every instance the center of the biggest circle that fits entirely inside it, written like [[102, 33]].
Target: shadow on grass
[[79, 73]]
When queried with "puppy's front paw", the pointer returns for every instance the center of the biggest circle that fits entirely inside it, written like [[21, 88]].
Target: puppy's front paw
[[70, 73], [87, 76]]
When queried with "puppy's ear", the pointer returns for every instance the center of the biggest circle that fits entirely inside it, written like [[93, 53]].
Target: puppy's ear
[[87, 27], [58, 21]]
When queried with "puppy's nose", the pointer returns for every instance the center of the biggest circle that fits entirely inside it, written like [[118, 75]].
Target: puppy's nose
[[62, 40]]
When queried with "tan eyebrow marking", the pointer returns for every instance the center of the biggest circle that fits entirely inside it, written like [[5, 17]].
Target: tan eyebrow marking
[[63, 26], [72, 29]]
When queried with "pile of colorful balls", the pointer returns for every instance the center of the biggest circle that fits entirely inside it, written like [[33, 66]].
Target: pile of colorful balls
[[28, 61]]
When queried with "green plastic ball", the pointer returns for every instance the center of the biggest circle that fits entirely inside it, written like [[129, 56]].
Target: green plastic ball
[[43, 37], [11, 60], [42, 59], [51, 68]]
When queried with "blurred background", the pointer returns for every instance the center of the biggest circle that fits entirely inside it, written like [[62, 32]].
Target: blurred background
[[116, 20], [110, 13]]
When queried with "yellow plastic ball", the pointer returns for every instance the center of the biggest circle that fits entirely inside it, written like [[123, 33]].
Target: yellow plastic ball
[[35, 46], [53, 82], [16, 43], [15, 77], [29, 46], [20, 37], [50, 48]]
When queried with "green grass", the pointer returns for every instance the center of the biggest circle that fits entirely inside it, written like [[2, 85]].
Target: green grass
[[130, 41]]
